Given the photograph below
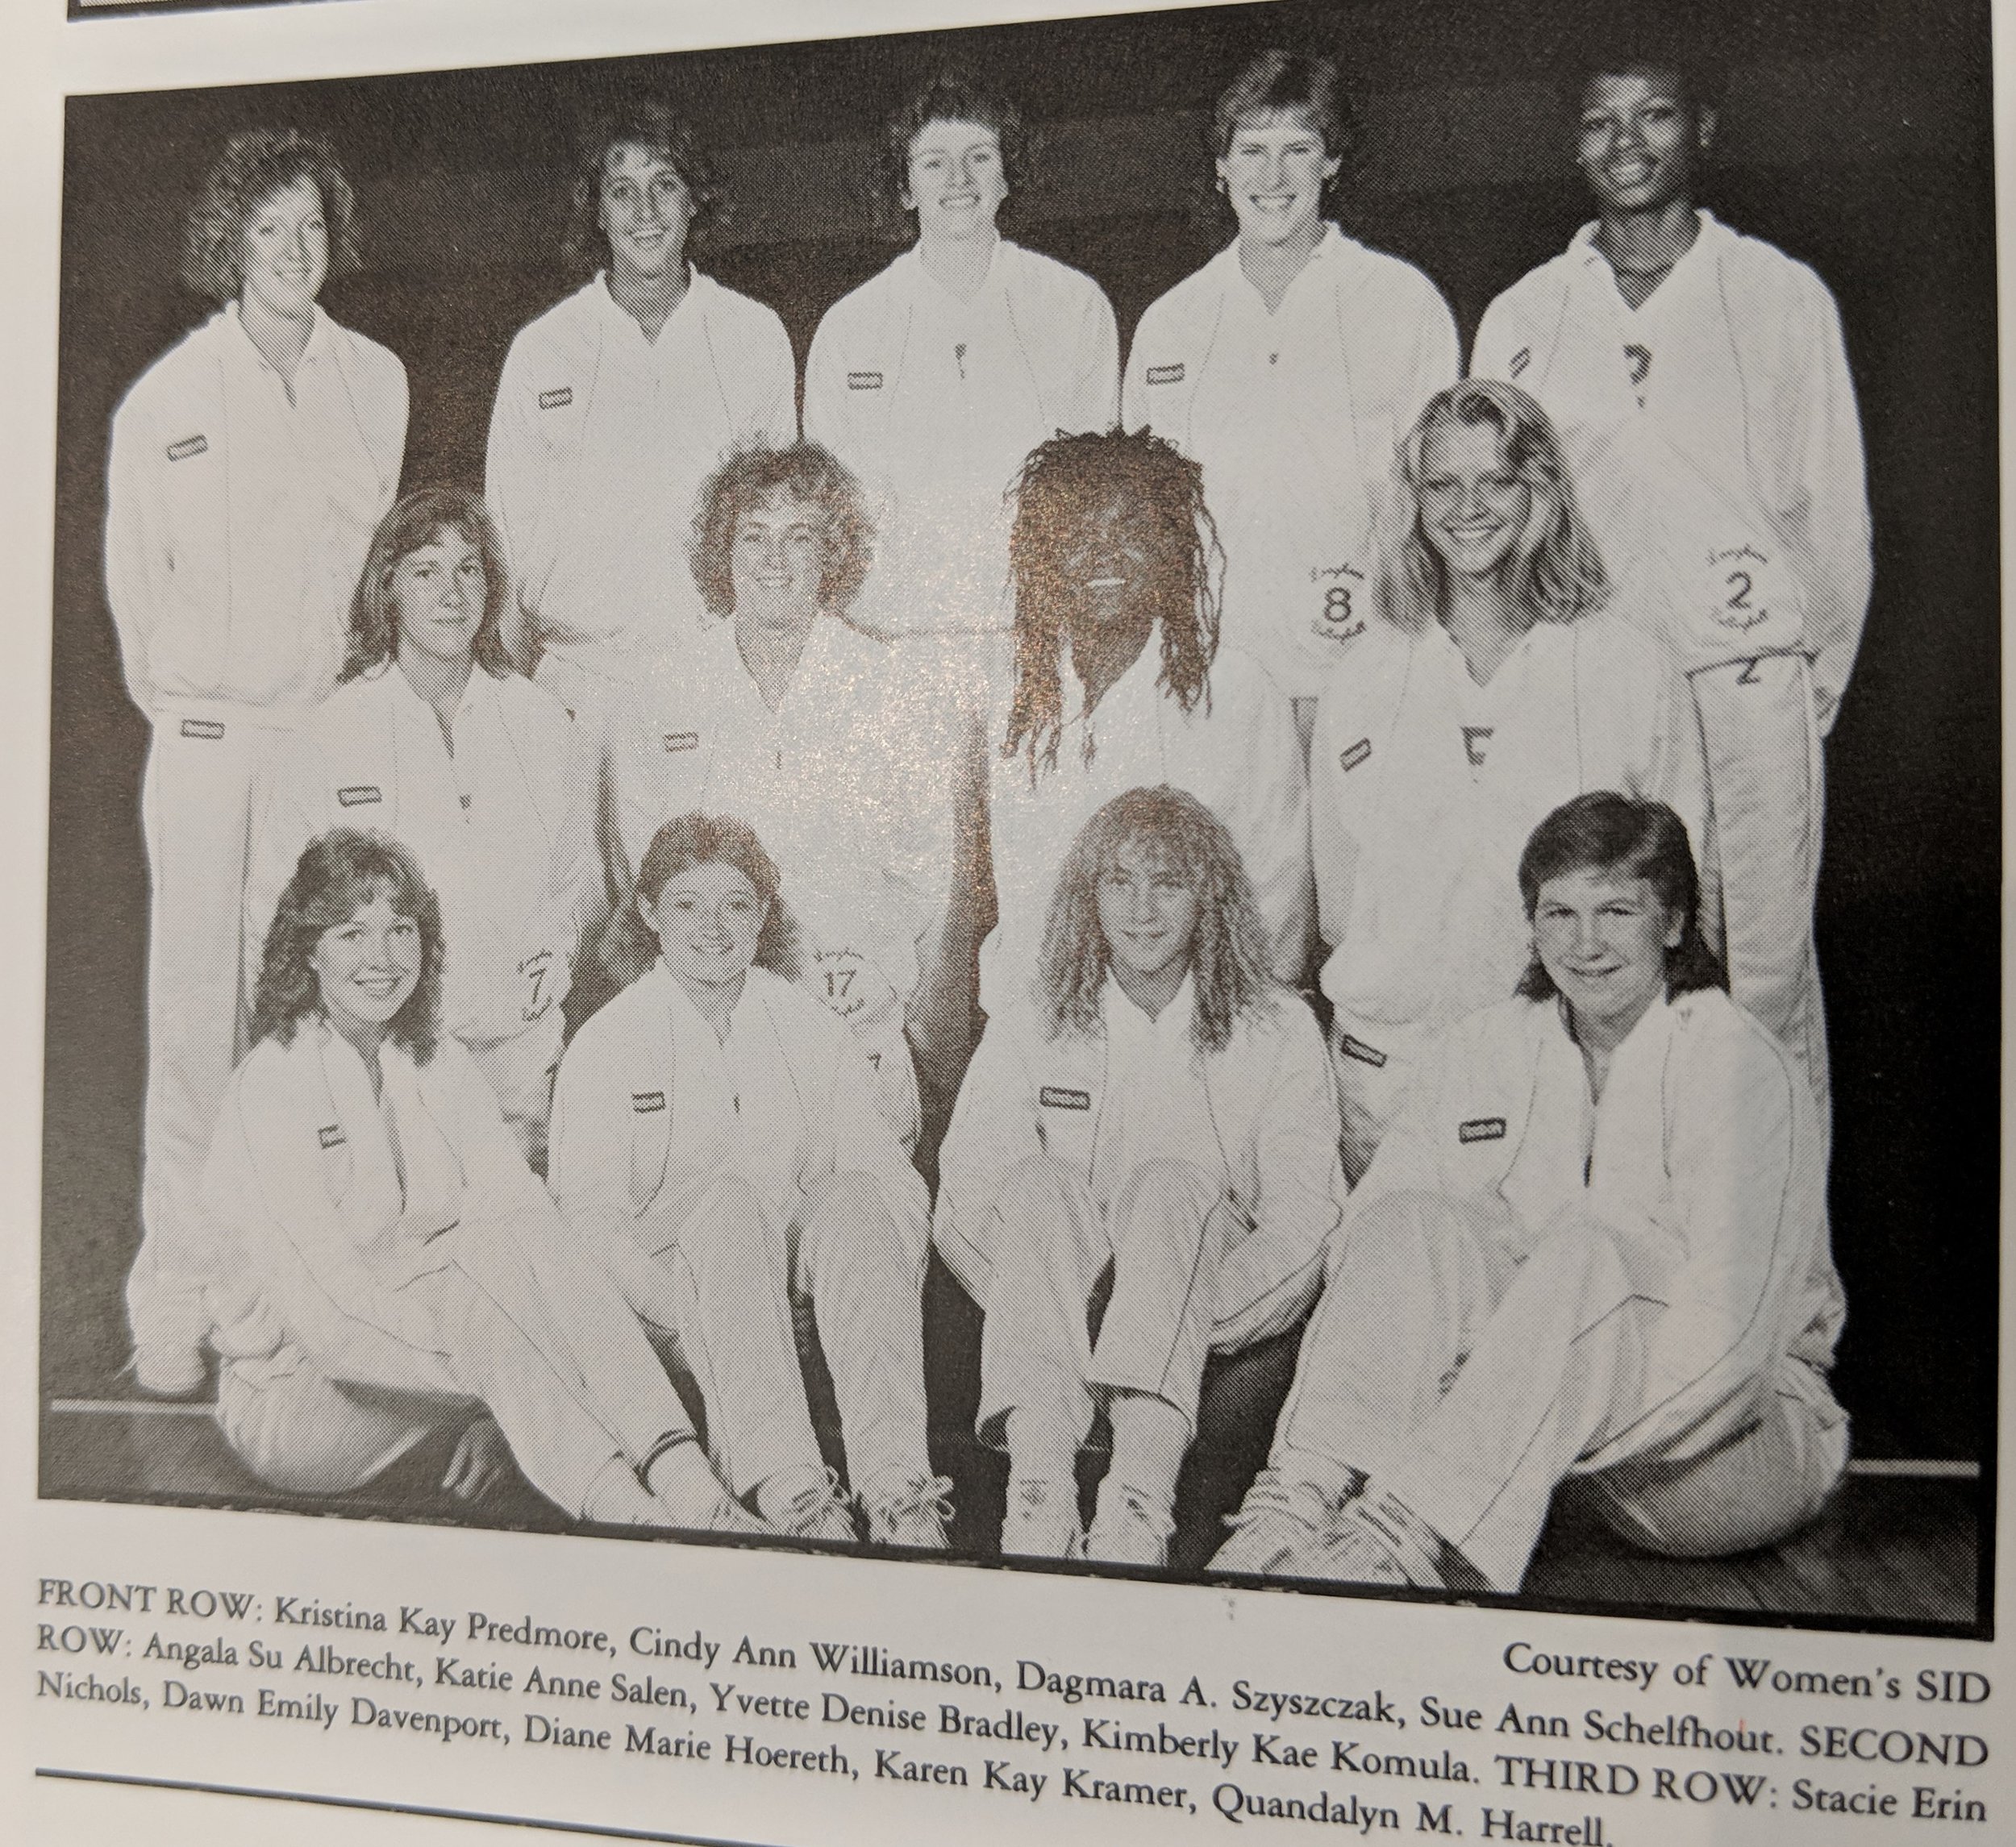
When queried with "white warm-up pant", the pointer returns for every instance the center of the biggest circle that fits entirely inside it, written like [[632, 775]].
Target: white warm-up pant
[[195, 810], [519, 1072], [1766, 798], [1165, 1235], [549, 1347], [1468, 1384]]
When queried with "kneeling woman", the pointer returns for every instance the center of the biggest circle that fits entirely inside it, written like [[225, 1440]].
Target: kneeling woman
[[383, 1253], [716, 1133], [1159, 1106], [1593, 1243]]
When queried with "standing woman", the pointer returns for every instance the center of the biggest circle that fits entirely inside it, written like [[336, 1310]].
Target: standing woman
[[1291, 365], [434, 739], [716, 1125], [249, 464], [1158, 1107], [616, 404], [1493, 685]]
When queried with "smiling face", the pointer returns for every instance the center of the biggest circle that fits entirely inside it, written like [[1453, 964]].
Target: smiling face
[[366, 969], [437, 592], [708, 920], [285, 252], [1111, 563], [778, 563], [1148, 912], [1603, 937], [645, 213], [955, 180], [1637, 140], [1274, 170], [1473, 507]]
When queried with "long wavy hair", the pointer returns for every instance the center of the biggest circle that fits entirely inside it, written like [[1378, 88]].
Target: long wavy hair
[[418, 520], [752, 476], [629, 945], [638, 122], [1228, 962], [253, 167], [338, 874], [1065, 483], [1555, 569], [1621, 837]]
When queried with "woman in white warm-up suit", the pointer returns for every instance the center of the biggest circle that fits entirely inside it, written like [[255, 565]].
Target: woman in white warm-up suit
[[614, 406], [1121, 682], [1290, 365], [1160, 1108], [790, 718], [434, 739], [714, 1120], [1493, 684], [376, 1258], [1595, 1243], [1701, 387], [249, 464]]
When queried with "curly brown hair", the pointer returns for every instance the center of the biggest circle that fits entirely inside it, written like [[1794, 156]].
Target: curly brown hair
[[640, 122], [337, 874], [751, 478], [1065, 482], [1228, 959], [951, 95], [253, 167], [416, 521]]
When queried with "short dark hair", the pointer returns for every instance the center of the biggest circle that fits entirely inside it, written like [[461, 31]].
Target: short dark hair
[[1667, 51], [337, 874], [253, 167], [640, 122], [1625, 837], [951, 95], [1278, 82], [752, 476], [629, 946], [416, 520]]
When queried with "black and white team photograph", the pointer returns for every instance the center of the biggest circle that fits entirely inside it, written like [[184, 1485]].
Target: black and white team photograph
[[1212, 796]]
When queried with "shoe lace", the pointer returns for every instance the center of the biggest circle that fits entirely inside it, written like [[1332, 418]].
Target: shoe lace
[[812, 1503], [1273, 1495], [918, 1499]]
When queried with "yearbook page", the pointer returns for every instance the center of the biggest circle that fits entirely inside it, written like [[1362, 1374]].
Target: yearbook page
[[934, 925]]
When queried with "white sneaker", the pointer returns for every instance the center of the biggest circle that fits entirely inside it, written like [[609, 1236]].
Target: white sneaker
[[1042, 1520], [1279, 1527], [1128, 1529], [819, 1511], [1381, 1540], [908, 1510]]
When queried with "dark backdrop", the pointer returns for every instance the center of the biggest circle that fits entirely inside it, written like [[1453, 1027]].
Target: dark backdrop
[[1857, 136]]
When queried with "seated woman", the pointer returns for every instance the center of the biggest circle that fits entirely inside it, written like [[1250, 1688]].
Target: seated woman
[[715, 1131], [383, 1257], [1593, 1243], [1158, 1107], [434, 738]]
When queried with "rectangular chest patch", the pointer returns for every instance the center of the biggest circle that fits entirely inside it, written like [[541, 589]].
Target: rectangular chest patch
[[1482, 1128], [330, 1135], [1349, 760], [188, 446], [358, 795], [557, 400], [864, 382], [682, 740], [1166, 374], [647, 1102], [1357, 1049], [1052, 1098], [201, 728]]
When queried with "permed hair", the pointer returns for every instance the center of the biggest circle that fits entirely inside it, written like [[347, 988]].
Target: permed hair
[[629, 946], [1292, 83], [418, 520], [951, 95], [1556, 570], [338, 874], [1066, 482], [641, 122], [254, 166], [1624, 837], [1228, 965], [752, 477]]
